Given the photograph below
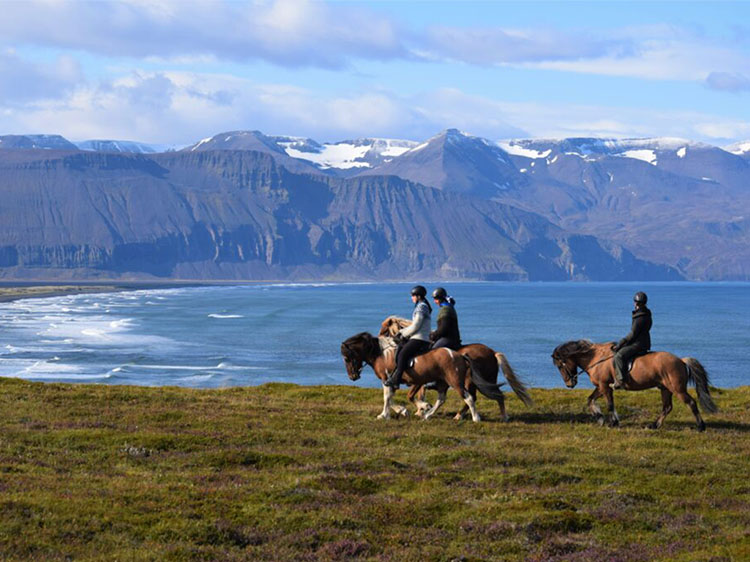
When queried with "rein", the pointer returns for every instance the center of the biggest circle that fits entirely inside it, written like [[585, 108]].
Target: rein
[[587, 370]]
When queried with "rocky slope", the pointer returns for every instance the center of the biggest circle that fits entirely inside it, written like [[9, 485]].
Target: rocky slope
[[209, 214]]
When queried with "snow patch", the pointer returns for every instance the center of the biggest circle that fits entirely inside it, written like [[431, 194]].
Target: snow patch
[[682, 151], [517, 150], [645, 155], [739, 148], [204, 141], [342, 156]]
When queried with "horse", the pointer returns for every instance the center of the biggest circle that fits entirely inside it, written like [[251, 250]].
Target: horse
[[485, 365], [660, 369], [444, 367]]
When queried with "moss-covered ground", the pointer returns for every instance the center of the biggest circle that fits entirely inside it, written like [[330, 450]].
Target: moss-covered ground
[[283, 472]]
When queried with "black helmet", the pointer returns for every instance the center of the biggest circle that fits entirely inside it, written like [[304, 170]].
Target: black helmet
[[419, 291], [640, 297], [439, 293]]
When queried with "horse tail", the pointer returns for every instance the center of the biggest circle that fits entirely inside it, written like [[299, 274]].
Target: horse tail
[[697, 375], [490, 390], [515, 383]]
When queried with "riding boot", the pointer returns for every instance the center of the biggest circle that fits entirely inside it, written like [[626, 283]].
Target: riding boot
[[394, 381], [618, 380]]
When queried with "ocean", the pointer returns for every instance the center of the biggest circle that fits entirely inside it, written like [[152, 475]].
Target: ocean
[[250, 334]]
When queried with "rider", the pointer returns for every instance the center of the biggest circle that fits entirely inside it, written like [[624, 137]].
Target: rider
[[637, 342], [446, 334], [417, 335]]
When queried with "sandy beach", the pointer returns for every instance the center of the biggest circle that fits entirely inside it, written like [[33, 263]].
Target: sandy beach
[[10, 291]]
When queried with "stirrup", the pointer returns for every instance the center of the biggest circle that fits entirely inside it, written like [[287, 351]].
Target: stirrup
[[617, 385]]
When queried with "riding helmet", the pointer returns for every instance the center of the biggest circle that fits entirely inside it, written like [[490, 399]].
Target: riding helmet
[[439, 293], [640, 297], [419, 291]]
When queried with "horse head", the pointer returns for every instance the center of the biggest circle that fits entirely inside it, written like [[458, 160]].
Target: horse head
[[392, 325], [356, 351], [565, 358]]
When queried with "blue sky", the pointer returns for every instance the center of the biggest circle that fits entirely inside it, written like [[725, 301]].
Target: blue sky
[[176, 72]]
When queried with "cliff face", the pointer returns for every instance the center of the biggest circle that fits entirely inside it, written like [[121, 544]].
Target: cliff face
[[240, 214]]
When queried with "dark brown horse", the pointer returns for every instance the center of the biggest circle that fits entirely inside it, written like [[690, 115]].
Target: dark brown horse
[[444, 367], [486, 364], [659, 369]]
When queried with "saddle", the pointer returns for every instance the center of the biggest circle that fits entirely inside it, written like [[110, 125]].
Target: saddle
[[632, 361]]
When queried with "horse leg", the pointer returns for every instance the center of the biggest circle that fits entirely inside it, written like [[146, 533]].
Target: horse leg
[[416, 397], [614, 419], [471, 403], [687, 399], [501, 405], [440, 401], [388, 393], [666, 407], [594, 408], [461, 414]]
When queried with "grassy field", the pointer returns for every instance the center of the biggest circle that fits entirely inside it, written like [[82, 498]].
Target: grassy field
[[282, 472]]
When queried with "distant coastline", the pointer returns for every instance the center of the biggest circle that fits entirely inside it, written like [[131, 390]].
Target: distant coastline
[[16, 290]]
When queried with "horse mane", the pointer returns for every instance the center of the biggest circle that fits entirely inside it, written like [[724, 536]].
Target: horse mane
[[572, 348], [392, 325], [368, 343]]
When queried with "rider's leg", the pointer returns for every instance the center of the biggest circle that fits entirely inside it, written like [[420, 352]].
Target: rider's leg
[[622, 358], [411, 349]]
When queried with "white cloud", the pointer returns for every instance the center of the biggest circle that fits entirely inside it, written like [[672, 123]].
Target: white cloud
[[285, 32], [296, 33], [23, 81], [728, 81], [182, 107], [495, 46], [656, 52]]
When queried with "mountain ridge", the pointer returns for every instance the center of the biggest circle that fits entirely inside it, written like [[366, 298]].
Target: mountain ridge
[[675, 203]]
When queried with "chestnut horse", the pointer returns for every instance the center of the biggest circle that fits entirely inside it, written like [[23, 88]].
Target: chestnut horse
[[660, 369], [444, 367], [485, 366]]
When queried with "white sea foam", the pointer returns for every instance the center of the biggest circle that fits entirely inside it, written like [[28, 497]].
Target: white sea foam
[[223, 316]]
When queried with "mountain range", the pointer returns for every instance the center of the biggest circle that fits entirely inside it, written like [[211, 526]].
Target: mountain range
[[245, 205]]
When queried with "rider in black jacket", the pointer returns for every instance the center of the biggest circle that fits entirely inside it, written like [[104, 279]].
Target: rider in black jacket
[[446, 334], [637, 342]]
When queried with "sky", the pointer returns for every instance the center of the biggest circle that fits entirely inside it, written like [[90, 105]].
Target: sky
[[175, 72]]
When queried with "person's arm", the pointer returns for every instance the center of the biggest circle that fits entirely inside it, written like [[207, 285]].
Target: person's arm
[[442, 327], [635, 330], [417, 321]]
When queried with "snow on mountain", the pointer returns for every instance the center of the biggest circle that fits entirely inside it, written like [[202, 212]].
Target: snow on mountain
[[98, 145], [348, 154], [593, 149], [643, 154], [739, 148]]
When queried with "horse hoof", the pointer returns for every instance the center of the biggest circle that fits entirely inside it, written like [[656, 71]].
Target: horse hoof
[[652, 426], [600, 420], [701, 428]]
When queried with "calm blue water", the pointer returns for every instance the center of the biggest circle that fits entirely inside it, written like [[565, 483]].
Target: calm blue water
[[252, 334]]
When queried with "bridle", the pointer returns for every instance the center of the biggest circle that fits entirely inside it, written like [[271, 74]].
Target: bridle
[[573, 377], [351, 357]]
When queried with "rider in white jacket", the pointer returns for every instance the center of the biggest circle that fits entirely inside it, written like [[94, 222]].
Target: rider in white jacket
[[417, 335]]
